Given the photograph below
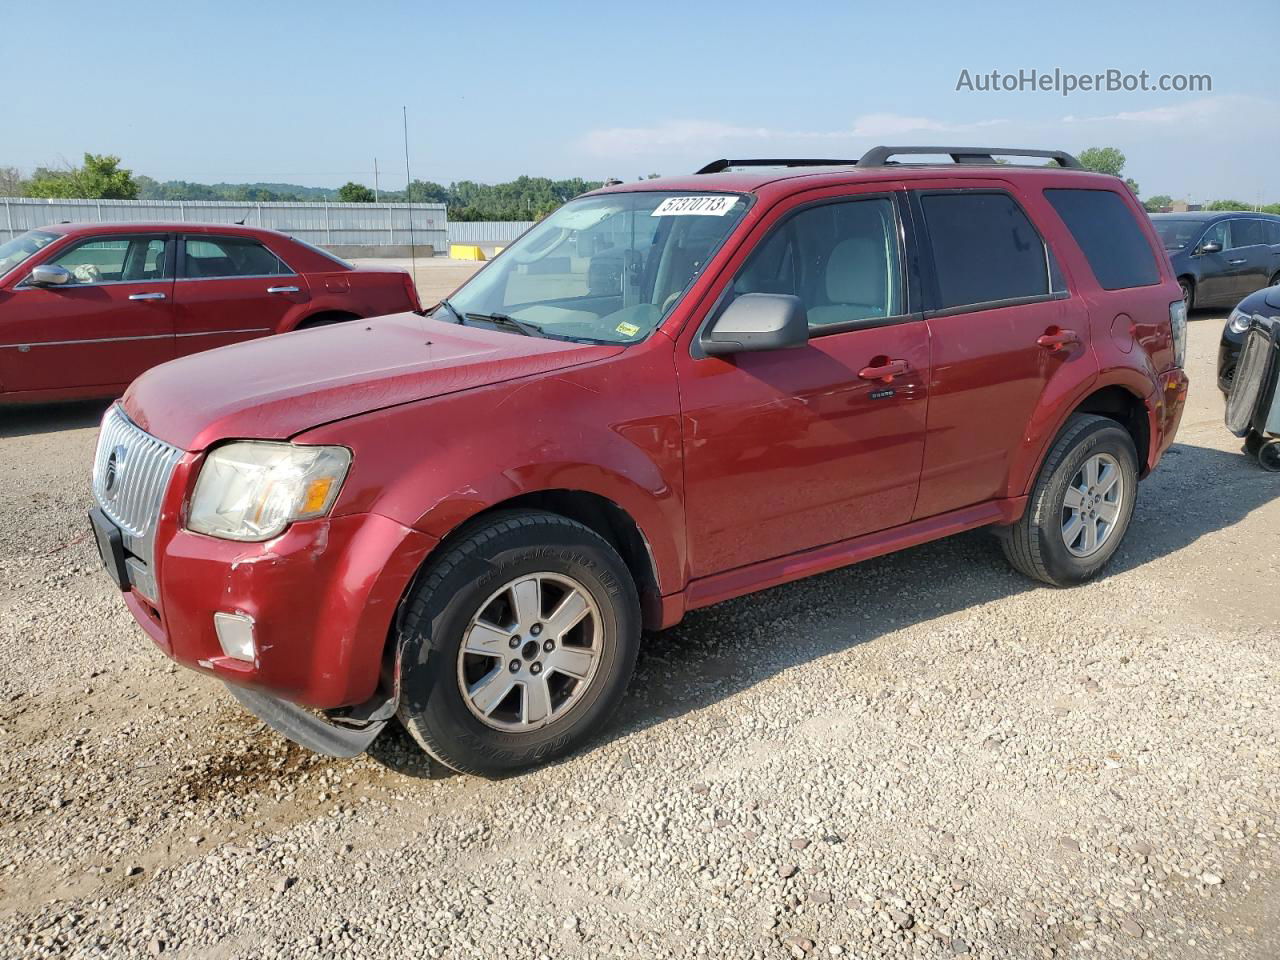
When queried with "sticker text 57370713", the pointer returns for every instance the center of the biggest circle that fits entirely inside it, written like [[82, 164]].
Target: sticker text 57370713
[[711, 206]]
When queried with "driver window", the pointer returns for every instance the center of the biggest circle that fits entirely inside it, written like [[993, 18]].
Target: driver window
[[840, 259], [1219, 233]]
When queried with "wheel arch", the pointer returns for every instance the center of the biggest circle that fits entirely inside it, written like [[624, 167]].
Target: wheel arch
[[1129, 410], [599, 514], [323, 317]]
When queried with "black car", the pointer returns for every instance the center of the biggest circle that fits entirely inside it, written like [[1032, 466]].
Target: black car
[[1221, 257], [1265, 303]]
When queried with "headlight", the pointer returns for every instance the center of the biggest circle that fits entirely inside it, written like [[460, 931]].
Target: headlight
[[1178, 321], [252, 490], [1238, 322]]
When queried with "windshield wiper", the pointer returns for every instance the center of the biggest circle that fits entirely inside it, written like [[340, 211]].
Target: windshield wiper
[[451, 308], [508, 323]]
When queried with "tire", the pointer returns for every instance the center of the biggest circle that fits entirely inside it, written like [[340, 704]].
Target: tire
[[469, 595], [326, 320], [1275, 280], [1188, 293], [1037, 545]]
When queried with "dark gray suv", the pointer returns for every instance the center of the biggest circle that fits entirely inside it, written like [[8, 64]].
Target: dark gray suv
[[1221, 257]]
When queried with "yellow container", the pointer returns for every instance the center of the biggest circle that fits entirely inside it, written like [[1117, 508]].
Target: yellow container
[[465, 251]]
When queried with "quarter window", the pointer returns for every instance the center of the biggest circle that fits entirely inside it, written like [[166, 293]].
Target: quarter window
[[984, 249], [117, 260], [208, 257], [1273, 232], [1109, 235], [840, 259]]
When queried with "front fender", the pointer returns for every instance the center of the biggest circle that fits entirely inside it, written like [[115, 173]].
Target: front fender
[[434, 464]]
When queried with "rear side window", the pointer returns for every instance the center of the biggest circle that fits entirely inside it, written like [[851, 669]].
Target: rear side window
[[208, 257], [1112, 241], [1250, 233], [1273, 232], [984, 249]]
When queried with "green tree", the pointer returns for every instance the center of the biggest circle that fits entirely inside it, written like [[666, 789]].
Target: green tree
[[11, 182], [1108, 160], [1228, 205], [354, 193], [1271, 208], [1156, 203], [100, 178]]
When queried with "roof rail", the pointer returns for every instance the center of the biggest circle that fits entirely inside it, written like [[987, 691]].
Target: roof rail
[[879, 156], [718, 166]]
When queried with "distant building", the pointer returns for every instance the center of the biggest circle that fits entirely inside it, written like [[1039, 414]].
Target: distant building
[[1183, 206]]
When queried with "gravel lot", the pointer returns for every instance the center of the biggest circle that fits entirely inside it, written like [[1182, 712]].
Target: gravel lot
[[922, 756]]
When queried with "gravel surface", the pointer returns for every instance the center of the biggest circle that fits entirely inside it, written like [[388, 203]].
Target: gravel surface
[[922, 756]]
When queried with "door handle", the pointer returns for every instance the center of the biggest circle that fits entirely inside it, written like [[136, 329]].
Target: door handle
[[884, 371], [282, 289], [1058, 340], [146, 296], [1235, 263]]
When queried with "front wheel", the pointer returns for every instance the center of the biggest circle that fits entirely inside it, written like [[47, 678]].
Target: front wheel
[[1188, 294], [1081, 505], [517, 643]]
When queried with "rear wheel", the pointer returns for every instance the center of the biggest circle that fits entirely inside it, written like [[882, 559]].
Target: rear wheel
[[518, 643], [326, 320], [1081, 505]]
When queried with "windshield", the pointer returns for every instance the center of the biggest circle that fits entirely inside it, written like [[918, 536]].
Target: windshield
[[1176, 234], [603, 268], [23, 246]]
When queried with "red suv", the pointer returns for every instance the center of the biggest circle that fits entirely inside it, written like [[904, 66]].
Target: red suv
[[664, 395], [85, 308]]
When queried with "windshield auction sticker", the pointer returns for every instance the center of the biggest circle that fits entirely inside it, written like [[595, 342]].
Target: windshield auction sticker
[[716, 206]]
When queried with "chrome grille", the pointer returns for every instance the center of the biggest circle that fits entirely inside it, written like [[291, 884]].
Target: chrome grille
[[131, 471]]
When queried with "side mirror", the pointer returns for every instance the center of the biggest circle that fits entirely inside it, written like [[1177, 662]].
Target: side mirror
[[758, 321], [1211, 246], [50, 275]]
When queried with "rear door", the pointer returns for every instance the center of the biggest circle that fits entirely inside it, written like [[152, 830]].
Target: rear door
[[1250, 255], [112, 321], [1001, 329], [230, 289]]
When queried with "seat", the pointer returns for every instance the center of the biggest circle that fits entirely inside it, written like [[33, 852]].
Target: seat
[[855, 280]]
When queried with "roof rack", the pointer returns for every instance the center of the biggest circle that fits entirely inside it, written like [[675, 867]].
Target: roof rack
[[718, 166], [880, 157]]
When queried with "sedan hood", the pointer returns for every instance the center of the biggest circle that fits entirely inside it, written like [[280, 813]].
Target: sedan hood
[[277, 387]]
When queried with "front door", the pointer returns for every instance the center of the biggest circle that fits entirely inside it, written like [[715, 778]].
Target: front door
[[231, 289], [111, 321], [793, 449]]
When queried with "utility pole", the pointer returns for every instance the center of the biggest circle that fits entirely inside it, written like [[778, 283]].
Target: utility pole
[[375, 179]]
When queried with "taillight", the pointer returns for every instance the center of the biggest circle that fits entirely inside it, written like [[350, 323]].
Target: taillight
[[1178, 323], [411, 289]]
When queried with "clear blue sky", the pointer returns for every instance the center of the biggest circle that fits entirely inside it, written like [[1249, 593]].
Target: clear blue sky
[[242, 91]]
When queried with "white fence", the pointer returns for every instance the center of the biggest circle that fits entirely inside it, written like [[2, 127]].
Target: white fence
[[323, 224], [487, 232]]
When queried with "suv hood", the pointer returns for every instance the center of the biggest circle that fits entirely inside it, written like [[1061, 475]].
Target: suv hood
[[277, 387]]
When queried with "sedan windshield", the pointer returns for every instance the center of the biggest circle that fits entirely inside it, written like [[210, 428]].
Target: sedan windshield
[[603, 268], [23, 246], [1176, 234]]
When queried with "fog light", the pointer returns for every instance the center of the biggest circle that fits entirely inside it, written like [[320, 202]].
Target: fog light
[[235, 635]]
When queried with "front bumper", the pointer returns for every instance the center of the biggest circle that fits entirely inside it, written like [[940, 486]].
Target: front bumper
[[322, 597]]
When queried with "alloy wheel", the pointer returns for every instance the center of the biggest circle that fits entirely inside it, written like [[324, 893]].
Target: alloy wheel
[[1093, 504], [530, 652]]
